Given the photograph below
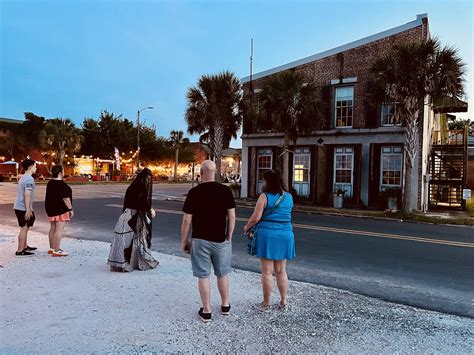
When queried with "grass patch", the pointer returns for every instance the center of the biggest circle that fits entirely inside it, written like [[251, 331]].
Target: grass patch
[[416, 217]]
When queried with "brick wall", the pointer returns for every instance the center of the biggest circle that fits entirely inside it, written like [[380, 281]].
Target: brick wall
[[355, 62]]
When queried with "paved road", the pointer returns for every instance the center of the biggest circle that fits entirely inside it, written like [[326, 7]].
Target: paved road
[[417, 264]]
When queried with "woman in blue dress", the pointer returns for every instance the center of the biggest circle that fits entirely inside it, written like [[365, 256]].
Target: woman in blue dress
[[275, 242]]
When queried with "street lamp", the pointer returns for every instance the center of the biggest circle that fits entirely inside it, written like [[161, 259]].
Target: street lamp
[[138, 132]]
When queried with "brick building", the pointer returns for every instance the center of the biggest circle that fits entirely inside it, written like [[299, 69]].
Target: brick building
[[360, 149]]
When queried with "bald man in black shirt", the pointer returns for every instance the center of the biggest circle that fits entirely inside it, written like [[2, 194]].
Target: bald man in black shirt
[[210, 208]]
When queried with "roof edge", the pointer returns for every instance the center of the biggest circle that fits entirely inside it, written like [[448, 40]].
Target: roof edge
[[10, 120], [360, 42]]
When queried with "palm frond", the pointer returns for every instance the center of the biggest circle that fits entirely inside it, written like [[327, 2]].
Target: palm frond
[[291, 103], [215, 103]]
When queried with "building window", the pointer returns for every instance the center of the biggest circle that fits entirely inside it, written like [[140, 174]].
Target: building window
[[301, 166], [391, 167], [344, 106], [388, 117], [264, 164], [343, 169]]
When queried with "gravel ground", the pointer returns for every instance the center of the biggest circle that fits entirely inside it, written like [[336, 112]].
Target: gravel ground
[[74, 304]]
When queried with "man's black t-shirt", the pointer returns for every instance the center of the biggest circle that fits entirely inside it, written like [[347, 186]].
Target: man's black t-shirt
[[208, 203], [56, 190]]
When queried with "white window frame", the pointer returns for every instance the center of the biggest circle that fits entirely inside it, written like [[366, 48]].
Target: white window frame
[[390, 151], [385, 104], [344, 151], [336, 107], [305, 151], [267, 152]]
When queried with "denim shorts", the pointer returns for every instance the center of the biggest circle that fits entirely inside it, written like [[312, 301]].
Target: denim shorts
[[204, 253]]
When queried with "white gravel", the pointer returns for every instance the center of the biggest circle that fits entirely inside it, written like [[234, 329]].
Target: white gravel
[[74, 304]]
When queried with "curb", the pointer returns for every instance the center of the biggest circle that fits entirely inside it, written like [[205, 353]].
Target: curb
[[330, 213]]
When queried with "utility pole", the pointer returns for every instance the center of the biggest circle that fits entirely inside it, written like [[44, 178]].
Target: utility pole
[[138, 139], [251, 59], [138, 133]]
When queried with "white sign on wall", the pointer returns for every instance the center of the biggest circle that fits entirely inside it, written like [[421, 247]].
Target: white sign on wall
[[466, 194]]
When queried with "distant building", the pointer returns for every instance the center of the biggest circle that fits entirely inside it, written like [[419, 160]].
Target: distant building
[[231, 162], [12, 152]]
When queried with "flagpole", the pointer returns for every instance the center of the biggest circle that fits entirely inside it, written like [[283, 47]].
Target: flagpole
[[251, 59]]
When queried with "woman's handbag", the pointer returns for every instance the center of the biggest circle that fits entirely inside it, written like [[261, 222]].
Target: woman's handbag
[[251, 234], [252, 239]]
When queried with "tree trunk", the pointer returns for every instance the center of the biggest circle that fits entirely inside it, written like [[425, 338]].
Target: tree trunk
[[408, 204], [11, 151], [62, 153], [285, 173], [218, 148], [218, 169], [410, 197], [176, 156]]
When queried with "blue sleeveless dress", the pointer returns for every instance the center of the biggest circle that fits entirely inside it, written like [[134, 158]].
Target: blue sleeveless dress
[[275, 239]]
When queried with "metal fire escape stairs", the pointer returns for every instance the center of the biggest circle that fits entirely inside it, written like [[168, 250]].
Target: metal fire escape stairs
[[448, 169]]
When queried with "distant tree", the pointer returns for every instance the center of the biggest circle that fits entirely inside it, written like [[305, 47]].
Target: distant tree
[[460, 124], [291, 104], [177, 141], [409, 75], [102, 135], [28, 136], [152, 147], [214, 112], [109, 131], [90, 131], [24, 137], [8, 142], [60, 136]]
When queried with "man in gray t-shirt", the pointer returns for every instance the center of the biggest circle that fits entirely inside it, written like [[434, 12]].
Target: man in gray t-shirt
[[24, 206], [26, 183]]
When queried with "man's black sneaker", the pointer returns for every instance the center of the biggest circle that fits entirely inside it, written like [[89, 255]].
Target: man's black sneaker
[[205, 317], [24, 252], [225, 310], [28, 248]]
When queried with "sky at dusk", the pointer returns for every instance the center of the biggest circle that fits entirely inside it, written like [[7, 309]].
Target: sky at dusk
[[74, 58]]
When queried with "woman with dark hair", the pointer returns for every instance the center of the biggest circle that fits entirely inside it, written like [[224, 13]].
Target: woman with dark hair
[[275, 242], [131, 247], [58, 205]]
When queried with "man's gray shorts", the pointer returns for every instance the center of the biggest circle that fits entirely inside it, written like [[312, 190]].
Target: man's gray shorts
[[204, 253]]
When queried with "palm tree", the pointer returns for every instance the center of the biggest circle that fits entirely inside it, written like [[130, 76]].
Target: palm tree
[[290, 104], [214, 112], [412, 75], [176, 141], [60, 136]]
